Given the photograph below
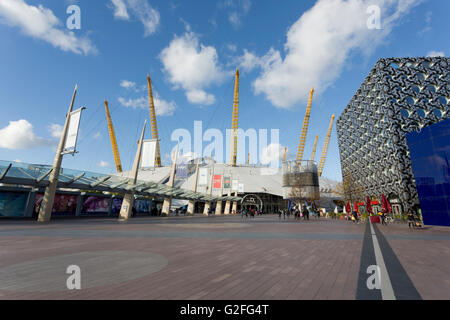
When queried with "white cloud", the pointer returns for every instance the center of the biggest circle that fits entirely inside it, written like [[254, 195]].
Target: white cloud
[[103, 164], [436, 54], [120, 9], [162, 107], [234, 19], [20, 135], [199, 96], [141, 10], [40, 23], [133, 103], [128, 84], [271, 154], [428, 20], [239, 9], [55, 130], [232, 47], [249, 61], [192, 66], [318, 45]]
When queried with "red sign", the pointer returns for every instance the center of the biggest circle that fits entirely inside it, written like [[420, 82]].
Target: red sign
[[217, 181], [374, 203]]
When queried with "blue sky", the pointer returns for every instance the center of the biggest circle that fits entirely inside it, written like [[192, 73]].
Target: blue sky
[[191, 50]]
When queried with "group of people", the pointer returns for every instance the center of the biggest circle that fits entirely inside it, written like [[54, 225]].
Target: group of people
[[305, 213], [249, 212]]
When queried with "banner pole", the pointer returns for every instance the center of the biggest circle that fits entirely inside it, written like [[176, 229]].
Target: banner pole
[[50, 191]]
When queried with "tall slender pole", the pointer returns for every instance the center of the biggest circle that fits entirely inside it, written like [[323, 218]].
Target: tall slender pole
[[313, 154], [168, 200], [191, 204], [219, 202], [49, 196], [208, 203], [235, 121], [301, 144], [325, 147], [228, 202], [153, 122], [128, 199], [112, 137]]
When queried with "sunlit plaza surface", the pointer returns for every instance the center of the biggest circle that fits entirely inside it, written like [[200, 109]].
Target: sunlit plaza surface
[[223, 257]]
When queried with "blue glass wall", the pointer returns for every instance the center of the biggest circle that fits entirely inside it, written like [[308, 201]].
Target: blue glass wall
[[430, 156]]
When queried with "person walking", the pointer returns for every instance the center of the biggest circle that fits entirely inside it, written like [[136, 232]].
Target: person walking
[[279, 214], [304, 212], [355, 216], [383, 218], [411, 220]]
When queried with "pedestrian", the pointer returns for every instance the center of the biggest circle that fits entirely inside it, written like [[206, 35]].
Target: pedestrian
[[304, 212], [411, 220], [284, 214], [355, 216], [279, 214], [383, 217], [242, 213]]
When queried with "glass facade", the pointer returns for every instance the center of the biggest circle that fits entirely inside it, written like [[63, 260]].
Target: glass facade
[[430, 156], [13, 204]]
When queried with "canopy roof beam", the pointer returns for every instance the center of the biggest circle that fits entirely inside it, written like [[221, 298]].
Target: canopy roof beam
[[3, 175], [95, 184], [45, 175]]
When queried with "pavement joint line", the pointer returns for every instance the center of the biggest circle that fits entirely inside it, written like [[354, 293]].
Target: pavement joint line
[[387, 292]]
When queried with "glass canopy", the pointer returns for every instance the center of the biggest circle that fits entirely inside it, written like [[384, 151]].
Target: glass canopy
[[35, 175]]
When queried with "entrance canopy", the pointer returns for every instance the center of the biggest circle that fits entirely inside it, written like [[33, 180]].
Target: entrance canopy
[[34, 175]]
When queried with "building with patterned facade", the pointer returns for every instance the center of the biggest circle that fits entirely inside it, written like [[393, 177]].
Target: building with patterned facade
[[399, 96]]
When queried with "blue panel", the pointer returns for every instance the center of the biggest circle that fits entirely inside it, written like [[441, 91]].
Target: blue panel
[[430, 156], [13, 204]]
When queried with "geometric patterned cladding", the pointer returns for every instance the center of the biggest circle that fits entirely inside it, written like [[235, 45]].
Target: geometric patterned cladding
[[400, 95]]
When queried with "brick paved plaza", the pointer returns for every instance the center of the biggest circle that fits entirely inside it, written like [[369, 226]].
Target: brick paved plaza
[[217, 258]]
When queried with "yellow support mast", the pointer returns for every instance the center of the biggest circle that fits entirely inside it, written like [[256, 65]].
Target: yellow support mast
[[234, 123], [153, 122], [284, 154], [301, 144], [113, 139], [313, 154], [325, 147]]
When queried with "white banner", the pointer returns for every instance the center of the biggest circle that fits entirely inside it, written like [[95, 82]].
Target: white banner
[[148, 154], [72, 132], [241, 188], [234, 185], [203, 176]]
